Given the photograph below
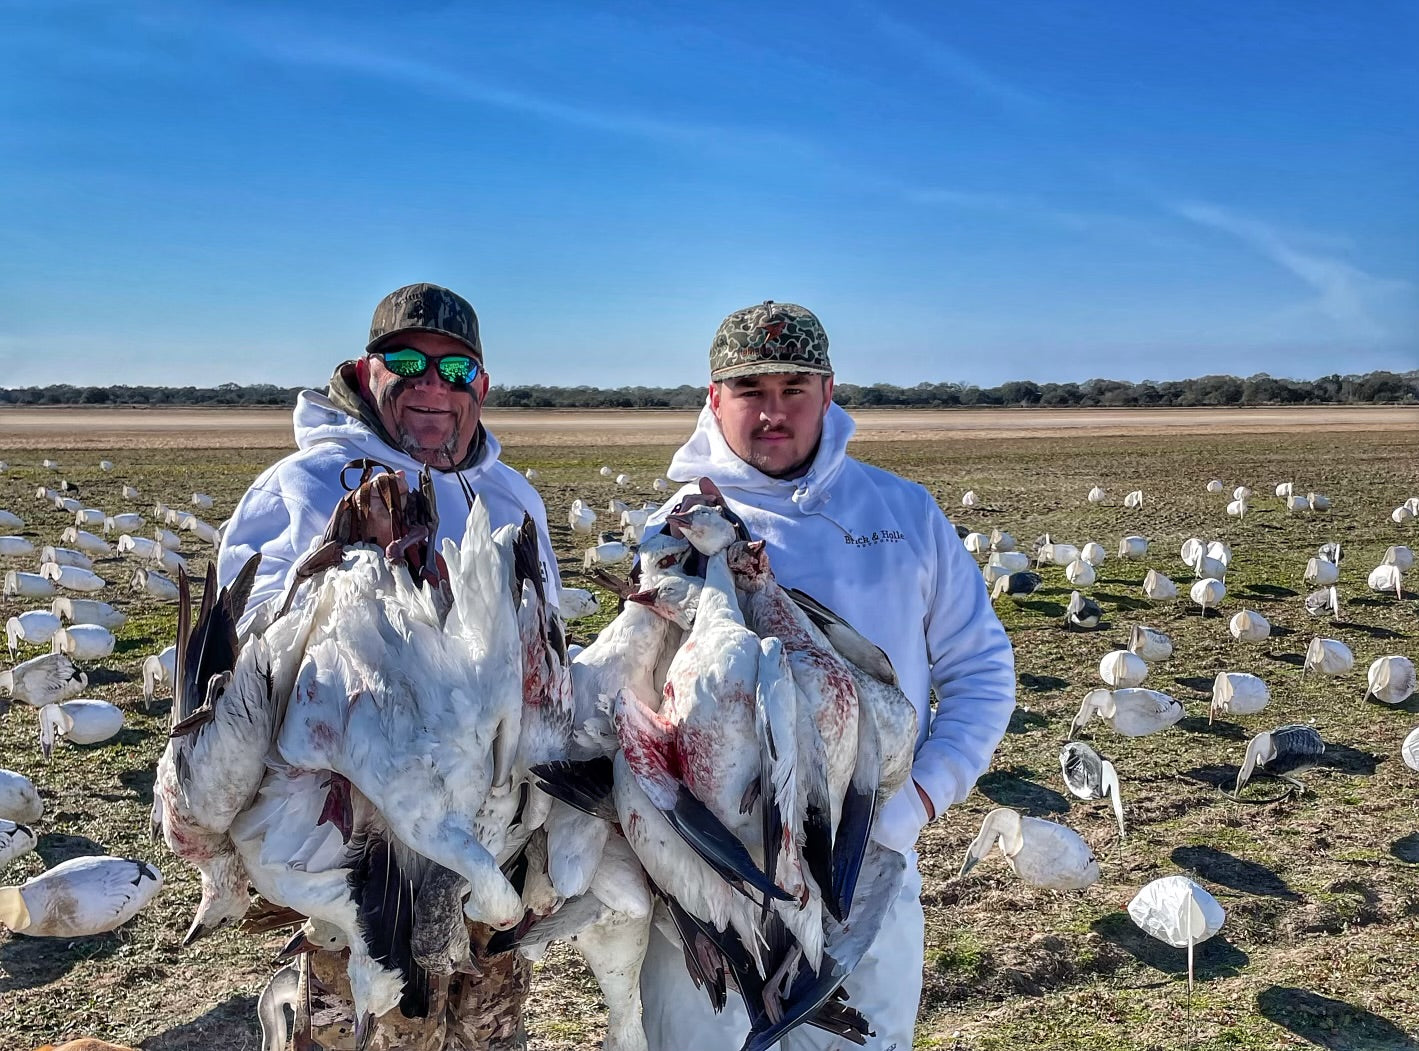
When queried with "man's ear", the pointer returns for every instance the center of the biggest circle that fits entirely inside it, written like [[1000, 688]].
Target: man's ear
[[714, 393]]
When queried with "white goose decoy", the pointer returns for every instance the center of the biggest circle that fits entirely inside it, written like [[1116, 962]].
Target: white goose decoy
[[1019, 586], [1177, 911], [1385, 578], [1399, 556], [1059, 554], [1134, 500], [1325, 600], [1239, 693], [1283, 752], [19, 800], [1209, 591], [89, 516], [282, 992], [88, 543], [51, 465], [204, 531], [532, 474], [34, 627], [1121, 669], [1132, 712], [43, 680], [80, 897], [660, 485], [1132, 548], [1082, 612], [1318, 501], [72, 578], [159, 674], [1321, 572], [581, 518], [83, 642], [105, 465], [169, 562], [575, 603], [201, 500], [45, 495], [1097, 495], [1410, 749], [1002, 541], [65, 556], [16, 840], [1241, 492], [1080, 573], [1094, 554], [141, 547], [16, 546], [1328, 657], [1391, 679], [1042, 853], [80, 721], [130, 493], [1249, 626], [1150, 643], [1413, 504], [88, 611], [1205, 565], [154, 583], [1157, 587], [1215, 486], [1089, 775], [9, 520]]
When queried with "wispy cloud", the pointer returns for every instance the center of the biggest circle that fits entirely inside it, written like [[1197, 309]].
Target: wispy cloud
[[1345, 294]]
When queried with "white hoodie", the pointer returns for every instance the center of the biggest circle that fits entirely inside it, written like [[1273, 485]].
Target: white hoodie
[[284, 513], [876, 549]]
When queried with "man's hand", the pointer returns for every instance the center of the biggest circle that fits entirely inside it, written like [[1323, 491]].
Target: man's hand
[[379, 508], [926, 802]]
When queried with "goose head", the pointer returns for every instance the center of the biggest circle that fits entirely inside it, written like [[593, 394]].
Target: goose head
[[1096, 702], [224, 897], [749, 562], [54, 723], [705, 527], [675, 597], [1002, 826]]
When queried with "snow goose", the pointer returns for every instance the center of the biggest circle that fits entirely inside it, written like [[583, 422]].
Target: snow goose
[[43, 680], [1249, 626], [159, 674], [1177, 911], [1089, 775], [1239, 693], [83, 642], [1132, 712], [1150, 643], [202, 500], [1386, 577], [88, 611], [1321, 572], [1209, 591], [1122, 669], [16, 840], [1082, 612], [1283, 753], [1132, 548], [72, 578], [64, 556], [1399, 556], [16, 546], [1328, 657], [19, 801], [155, 584], [11, 521], [1158, 587], [34, 627], [1019, 586], [581, 518], [88, 543], [1042, 853], [80, 897], [1391, 679], [1134, 500], [80, 721]]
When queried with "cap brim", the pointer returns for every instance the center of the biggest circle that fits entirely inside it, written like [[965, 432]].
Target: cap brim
[[375, 343], [768, 368]]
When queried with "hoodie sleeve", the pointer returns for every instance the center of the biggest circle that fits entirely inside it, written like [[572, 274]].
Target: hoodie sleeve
[[972, 674]]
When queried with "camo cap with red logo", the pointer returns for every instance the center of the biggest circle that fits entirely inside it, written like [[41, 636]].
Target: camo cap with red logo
[[767, 338]]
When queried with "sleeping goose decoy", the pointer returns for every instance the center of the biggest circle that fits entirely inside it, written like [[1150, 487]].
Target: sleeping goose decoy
[[1283, 752], [43, 680], [1082, 612], [1042, 853], [1391, 679], [1249, 626], [1121, 669], [19, 801], [80, 721], [80, 897], [1158, 587], [16, 840], [1318, 603], [1150, 643], [1177, 911], [1132, 712], [1239, 693], [1328, 657], [1089, 775], [1019, 586]]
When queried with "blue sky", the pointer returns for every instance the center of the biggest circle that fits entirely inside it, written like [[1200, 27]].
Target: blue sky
[[970, 191]]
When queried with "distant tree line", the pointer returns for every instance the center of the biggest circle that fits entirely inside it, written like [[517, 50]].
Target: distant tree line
[[1370, 389]]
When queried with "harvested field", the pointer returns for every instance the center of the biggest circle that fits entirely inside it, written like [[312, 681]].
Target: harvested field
[[1321, 944]]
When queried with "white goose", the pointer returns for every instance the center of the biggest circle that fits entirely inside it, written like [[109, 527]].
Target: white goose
[[80, 897], [19, 801], [1132, 712], [80, 721], [88, 611], [27, 585], [159, 674], [84, 642], [64, 556], [34, 627], [85, 542], [16, 840], [1042, 853], [43, 680]]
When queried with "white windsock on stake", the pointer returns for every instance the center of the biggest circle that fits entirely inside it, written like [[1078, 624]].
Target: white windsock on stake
[[1191, 548], [68, 505], [1328, 656], [1249, 626], [1209, 591], [1177, 911], [89, 543], [1134, 500], [140, 546], [89, 516], [1391, 679], [201, 500], [1237, 509], [129, 493], [83, 642], [1400, 556], [1296, 503], [993, 571], [1239, 693], [1386, 577], [1133, 548], [1215, 486], [1150, 643], [155, 584], [1241, 492], [1221, 551], [1080, 573], [122, 523], [34, 627], [1011, 561], [1093, 553], [1058, 554], [1410, 751], [1122, 669], [1204, 565], [169, 561], [1321, 572], [1158, 587], [1318, 501], [168, 539], [87, 611], [977, 543]]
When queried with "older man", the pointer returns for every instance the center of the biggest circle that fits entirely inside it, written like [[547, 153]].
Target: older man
[[412, 401], [875, 548]]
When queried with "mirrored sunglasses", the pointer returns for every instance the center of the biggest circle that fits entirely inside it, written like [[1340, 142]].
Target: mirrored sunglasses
[[457, 369]]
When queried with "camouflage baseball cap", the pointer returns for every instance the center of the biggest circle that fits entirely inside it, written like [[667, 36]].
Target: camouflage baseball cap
[[426, 308], [770, 337]]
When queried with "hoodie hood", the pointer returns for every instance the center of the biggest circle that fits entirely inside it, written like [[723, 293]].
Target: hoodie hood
[[708, 454], [343, 414]]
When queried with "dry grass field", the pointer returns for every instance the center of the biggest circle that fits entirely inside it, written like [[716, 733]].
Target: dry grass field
[[1321, 945]]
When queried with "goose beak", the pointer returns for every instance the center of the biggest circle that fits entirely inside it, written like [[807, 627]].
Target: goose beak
[[196, 933], [642, 598], [972, 860], [298, 945], [364, 1030], [677, 522]]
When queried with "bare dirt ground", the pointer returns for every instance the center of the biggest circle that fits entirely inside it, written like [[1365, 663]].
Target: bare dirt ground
[[98, 428]]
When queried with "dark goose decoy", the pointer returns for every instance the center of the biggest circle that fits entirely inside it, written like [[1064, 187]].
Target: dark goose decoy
[[1082, 612], [1283, 752], [1089, 775], [1017, 585]]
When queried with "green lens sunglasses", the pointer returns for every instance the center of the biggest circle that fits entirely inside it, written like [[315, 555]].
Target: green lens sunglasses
[[458, 369]]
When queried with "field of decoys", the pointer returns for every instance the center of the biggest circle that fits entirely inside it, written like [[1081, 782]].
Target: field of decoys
[[1202, 828]]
